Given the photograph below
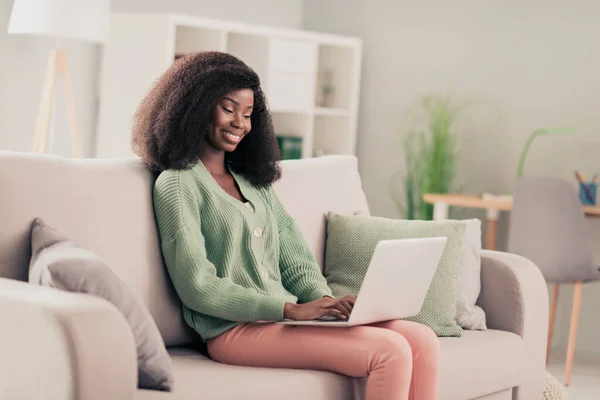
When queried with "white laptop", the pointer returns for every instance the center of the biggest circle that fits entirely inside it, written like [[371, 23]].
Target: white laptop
[[395, 285]]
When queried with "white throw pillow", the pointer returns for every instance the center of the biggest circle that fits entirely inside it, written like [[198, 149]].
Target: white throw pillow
[[469, 315]]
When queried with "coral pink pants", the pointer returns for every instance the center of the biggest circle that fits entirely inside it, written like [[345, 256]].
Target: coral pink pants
[[400, 357]]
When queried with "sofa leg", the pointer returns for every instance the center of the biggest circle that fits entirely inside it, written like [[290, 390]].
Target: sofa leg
[[553, 305], [573, 330]]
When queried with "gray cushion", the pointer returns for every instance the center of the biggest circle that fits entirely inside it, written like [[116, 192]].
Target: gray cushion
[[60, 263]]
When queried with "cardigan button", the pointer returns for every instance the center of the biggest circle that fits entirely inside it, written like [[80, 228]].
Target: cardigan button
[[258, 232]]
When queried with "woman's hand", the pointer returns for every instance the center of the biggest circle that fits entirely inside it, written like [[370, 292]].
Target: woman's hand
[[326, 306]]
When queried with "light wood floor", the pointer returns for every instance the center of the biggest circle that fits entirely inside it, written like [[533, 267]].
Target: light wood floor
[[585, 378]]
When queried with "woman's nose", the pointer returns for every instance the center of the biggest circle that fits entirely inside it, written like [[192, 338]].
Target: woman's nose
[[237, 122]]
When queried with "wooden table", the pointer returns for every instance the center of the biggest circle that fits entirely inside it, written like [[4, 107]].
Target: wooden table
[[492, 204]]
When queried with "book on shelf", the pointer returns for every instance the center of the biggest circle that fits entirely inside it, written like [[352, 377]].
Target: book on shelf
[[290, 147]]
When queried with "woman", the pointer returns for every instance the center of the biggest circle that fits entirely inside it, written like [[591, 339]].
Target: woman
[[236, 258]]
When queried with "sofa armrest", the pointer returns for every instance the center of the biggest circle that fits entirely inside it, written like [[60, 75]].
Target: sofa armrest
[[74, 346], [514, 297]]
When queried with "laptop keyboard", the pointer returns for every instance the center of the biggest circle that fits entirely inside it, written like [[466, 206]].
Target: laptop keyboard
[[327, 318]]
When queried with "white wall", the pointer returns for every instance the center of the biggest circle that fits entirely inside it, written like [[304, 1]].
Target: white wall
[[525, 64], [287, 13], [23, 64], [23, 61]]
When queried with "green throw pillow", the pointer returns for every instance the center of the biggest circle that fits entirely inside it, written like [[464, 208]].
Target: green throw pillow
[[351, 241]]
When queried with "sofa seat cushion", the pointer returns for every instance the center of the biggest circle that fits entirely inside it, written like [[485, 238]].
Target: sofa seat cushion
[[472, 366], [479, 363], [198, 377]]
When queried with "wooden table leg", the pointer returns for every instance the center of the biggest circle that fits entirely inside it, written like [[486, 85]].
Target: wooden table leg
[[440, 211], [491, 228]]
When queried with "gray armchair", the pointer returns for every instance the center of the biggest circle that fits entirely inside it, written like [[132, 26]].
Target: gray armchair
[[547, 226]]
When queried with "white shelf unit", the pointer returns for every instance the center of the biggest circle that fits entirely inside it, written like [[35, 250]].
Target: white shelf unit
[[292, 64]]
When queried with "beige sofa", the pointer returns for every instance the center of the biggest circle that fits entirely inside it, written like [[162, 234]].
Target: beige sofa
[[57, 345]]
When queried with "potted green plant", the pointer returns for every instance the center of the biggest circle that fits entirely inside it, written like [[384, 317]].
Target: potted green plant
[[430, 157], [531, 138]]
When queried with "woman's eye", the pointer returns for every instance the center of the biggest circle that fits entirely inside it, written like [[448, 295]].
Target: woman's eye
[[228, 111], [247, 116]]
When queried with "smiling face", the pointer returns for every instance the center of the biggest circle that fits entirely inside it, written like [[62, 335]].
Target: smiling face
[[231, 120]]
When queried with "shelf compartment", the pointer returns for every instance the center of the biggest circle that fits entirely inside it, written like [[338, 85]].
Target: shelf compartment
[[340, 112], [334, 81], [253, 50], [287, 90], [297, 126], [331, 136], [191, 40], [292, 55]]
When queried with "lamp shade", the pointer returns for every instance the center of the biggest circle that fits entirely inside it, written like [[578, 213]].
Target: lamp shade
[[86, 20]]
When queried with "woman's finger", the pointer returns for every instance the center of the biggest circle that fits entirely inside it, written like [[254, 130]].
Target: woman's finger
[[351, 299], [350, 302], [332, 312], [339, 306], [347, 307]]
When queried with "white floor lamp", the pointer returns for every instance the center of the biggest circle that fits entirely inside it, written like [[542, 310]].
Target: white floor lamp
[[86, 20]]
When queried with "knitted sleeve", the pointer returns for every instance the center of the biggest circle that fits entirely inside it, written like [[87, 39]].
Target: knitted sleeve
[[300, 272], [193, 275]]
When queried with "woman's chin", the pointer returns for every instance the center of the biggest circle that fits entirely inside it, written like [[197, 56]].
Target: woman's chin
[[225, 145], [228, 147]]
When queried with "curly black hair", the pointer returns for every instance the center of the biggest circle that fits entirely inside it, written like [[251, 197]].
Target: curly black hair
[[173, 120]]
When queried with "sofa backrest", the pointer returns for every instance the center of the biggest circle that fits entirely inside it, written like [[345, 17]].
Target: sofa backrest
[[310, 188], [105, 205]]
